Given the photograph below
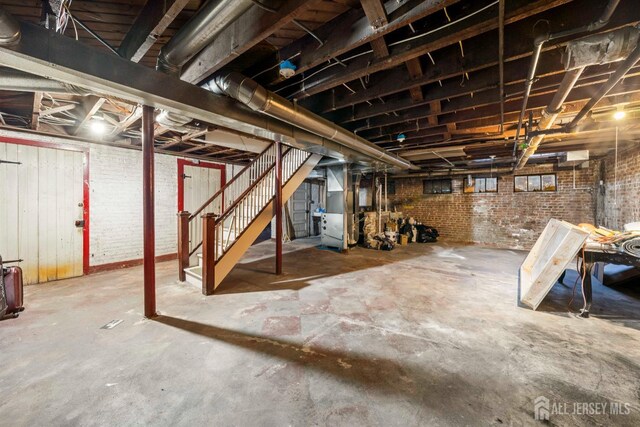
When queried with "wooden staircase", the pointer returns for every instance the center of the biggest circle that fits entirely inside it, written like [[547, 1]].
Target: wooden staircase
[[229, 222]]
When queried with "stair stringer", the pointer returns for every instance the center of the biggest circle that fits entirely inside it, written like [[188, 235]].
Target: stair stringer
[[246, 239]]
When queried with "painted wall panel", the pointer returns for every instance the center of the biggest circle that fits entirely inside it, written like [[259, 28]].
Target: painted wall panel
[[38, 206]]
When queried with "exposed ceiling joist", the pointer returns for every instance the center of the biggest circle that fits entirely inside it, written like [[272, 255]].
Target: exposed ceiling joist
[[415, 72], [35, 110], [353, 29], [152, 21], [544, 85], [377, 16], [487, 115], [88, 107], [56, 110], [485, 20], [479, 57]]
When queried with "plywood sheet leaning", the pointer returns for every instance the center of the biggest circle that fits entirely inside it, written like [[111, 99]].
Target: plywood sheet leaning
[[554, 250]]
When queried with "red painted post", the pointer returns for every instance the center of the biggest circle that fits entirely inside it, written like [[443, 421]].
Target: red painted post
[[183, 244], [278, 207], [148, 225], [208, 253]]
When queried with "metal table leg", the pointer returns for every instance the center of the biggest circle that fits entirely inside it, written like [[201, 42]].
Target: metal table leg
[[587, 291]]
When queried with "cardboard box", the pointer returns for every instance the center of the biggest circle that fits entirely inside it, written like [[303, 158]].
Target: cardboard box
[[403, 239]]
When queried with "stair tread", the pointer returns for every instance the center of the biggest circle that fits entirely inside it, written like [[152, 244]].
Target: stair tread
[[194, 271]]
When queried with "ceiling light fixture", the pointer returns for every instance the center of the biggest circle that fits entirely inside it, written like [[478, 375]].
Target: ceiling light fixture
[[98, 126], [619, 114]]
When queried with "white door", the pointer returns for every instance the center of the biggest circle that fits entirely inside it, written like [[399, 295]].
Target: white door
[[299, 210], [40, 201], [200, 183]]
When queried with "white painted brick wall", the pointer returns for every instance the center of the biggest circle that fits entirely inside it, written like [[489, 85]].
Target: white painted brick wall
[[116, 204], [115, 182]]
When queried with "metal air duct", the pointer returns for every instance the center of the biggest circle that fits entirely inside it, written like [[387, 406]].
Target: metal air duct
[[199, 32], [18, 81], [260, 99], [9, 29]]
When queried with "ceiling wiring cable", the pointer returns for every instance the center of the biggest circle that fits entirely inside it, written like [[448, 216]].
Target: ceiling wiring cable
[[396, 43]]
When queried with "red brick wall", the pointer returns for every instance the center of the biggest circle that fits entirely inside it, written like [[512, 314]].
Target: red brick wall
[[622, 206], [503, 219]]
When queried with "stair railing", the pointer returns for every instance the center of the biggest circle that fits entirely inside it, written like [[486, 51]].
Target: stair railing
[[190, 230], [255, 199]]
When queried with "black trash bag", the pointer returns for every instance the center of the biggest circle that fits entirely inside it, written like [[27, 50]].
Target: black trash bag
[[407, 229], [426, 234]]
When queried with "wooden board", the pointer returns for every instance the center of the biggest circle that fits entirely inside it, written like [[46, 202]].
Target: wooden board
[[554, 250]]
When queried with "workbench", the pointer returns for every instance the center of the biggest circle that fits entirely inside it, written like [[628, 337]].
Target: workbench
[[592, 256]]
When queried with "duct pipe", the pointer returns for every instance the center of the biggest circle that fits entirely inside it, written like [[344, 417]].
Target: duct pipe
[[550, 114], [260, 99], [18, 81], [537, 49], [199, 32], [596, 49], [615, 78], [496, 171], [9, 29]]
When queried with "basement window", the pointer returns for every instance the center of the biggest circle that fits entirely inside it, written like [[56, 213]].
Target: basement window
[[436, 186], [480, 185], [391, 188], [535, 183]]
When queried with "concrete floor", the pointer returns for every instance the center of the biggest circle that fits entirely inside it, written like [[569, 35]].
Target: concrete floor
[[423, 335]]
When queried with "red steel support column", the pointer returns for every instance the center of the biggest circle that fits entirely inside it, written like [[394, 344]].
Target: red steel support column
[[208, 253], [183, 244], [148, 225], [278, 208]]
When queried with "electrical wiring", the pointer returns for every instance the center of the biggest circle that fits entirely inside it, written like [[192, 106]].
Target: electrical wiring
[[580, 266], [396, 43], [584, 274]]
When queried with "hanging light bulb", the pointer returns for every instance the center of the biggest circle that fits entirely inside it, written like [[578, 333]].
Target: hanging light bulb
[[619, 114]]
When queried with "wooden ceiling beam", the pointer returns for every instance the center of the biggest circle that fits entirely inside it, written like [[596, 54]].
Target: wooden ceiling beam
[[479, 56], [479, 23], [88, 107], [152, 21], [512, 108], [377, 16], [35, 110], [544, 85], [415, 72], [128, 121], [255, 25], [353, 29]]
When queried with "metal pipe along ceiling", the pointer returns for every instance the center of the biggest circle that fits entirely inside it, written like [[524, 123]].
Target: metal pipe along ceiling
[[260, 99], [199, 32], [591, 50], [18, 81], [537, 50], [9, 29]]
